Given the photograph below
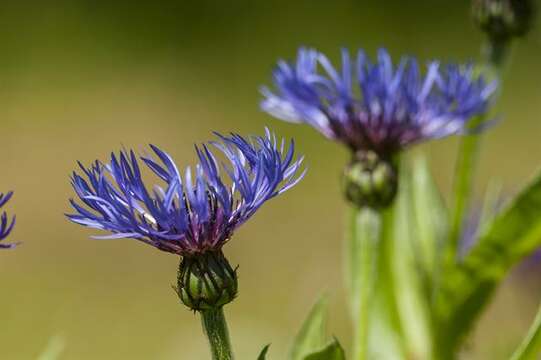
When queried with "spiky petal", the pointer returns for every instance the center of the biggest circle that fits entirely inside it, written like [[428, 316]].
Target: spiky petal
[[193, 212], [6, 225], [378, 106]]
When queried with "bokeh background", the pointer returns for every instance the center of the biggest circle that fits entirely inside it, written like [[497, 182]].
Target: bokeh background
[[81, 78]]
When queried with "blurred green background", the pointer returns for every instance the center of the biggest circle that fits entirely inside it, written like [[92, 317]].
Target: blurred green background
[[81, 78]]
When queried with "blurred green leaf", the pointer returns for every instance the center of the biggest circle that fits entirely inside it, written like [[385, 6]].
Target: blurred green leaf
[[430, 218], [491, 203], [364, 235], [385, 336], [531, 346], [465, 168], [391, 269], [412, 254], [332, 351], [263, 354], [384, 339], [512, 235], [311, 337]]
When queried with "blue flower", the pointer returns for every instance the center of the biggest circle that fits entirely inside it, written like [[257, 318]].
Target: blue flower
[[6, 226], [377, 106], [194, 212]]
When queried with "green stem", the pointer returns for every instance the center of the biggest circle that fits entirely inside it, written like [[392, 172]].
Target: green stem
[[375, 313], [215, 327], [496, 53], [387, 282], [364, 238], [531, 346]]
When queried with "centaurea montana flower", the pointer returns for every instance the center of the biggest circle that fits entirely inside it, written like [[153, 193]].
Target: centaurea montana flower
[[192, 215], [390, 108], [377, 109], [6, 225]]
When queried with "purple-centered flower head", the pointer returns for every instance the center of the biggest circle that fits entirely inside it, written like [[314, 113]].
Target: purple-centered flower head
[[191, 213], [377, 106], [6, 225]]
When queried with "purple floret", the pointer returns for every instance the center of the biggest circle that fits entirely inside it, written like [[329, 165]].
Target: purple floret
[[379, 105], [194, 212]]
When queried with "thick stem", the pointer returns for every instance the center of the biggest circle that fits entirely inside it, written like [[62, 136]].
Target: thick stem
[[388, 312], [215, 327], [362, 252]]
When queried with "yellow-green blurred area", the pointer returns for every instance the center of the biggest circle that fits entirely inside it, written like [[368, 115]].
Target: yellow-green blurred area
[[79, 79]]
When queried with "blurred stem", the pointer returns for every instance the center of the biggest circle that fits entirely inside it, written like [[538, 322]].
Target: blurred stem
[[215, 327], [386, 285], [364, 237], [531, 346], [373, 305], [496, 53]]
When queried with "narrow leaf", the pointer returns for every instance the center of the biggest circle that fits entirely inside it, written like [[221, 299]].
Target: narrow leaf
[[411, 257], [492, 202], [465, 168], [531, 346], [312, 334], [263, 354], [385, 340], [514, 234], [430, 217], [332, 351]]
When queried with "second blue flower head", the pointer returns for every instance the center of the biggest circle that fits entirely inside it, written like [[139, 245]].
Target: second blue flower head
[[377, 109], [379, 106]]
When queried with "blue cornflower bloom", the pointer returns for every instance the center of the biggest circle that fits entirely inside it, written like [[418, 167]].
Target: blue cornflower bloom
[[6, 226], [194, 213], [377, 106]]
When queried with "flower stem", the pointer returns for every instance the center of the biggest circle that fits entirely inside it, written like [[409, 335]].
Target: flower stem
[[215, 327], [496, 53], [365, 226]]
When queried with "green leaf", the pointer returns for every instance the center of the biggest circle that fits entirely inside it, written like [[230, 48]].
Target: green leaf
[[512, 235], [312, 334], [364, 233], [430, 219], [491, 203], [411, 257], [463, 183], [332, 351], [385, 340], [531, 346], [263, 354]]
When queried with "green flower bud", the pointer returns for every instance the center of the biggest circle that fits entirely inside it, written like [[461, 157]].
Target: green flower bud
[[370, 181], [206, 281], [503, 19]]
